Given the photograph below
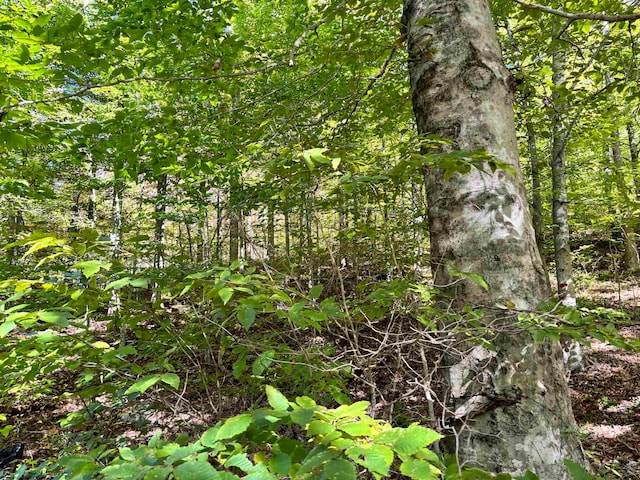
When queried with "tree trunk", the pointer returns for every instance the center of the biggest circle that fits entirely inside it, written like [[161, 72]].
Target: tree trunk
[[560, 210], [536, 198], [633, 154], [517, 418], [234, 222], [630, 258], [93, 198], [271, 232], [160, 213]]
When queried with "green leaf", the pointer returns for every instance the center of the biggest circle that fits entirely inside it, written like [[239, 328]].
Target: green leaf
[[83, 466], [303, 416], [171, 379], [264, 360], [316, 457], [356, 429], [209, 438], [240, 461], [246, 317], [415, 437], [280, 463], [143, 384], [315, 292], [91, 267], [123, 470], [234, 426], [375, 458], [118, 284], [318, 427], [59, 318], [225, 294], [576, 471], [276, 399], [196, 470], [6, 327], [158, 473], [340, 469], [476, 474], [419, 469]]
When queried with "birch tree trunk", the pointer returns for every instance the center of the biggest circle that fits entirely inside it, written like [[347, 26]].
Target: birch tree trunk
[[510, 407]]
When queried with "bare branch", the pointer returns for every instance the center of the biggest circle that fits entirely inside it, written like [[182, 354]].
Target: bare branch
[[624, 17]]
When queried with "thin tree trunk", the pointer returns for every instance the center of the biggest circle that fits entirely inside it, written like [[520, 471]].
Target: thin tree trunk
[[630, 258], [560, 210], [115, 238], [218, 227], [271, 232], [633, 157], [287, 233], [518, 416], [234, 223], [536, 197], [203, 250], [160, 214], [93, 198]]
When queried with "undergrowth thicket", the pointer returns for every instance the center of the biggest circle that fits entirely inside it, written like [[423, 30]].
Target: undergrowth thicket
[[121, 343]]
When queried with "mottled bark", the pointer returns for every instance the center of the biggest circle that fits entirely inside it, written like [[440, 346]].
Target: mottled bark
[[560, 207], [510, 407], [633, 157]]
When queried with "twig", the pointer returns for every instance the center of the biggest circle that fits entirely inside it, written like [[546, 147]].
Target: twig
[[301, 38], [625, 17], [185, 78]]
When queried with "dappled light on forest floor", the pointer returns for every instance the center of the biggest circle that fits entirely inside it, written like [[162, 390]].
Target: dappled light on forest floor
[[606, 403]]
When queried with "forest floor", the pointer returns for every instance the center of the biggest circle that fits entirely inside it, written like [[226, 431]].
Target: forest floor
[[606, 395]]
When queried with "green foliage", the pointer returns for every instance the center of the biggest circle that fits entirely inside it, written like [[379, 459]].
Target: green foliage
[[338, 443]]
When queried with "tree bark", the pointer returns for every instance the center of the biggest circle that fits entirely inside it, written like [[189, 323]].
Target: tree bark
[[560, 210], [160, 213], [630, 258], [536, 198], [633, 154], [516, 413]]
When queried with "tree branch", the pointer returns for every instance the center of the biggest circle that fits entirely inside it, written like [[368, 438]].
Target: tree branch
[[300, 39], [186, 78], [625, 17]]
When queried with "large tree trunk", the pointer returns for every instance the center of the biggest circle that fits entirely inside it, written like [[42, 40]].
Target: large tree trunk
[[516, 414]]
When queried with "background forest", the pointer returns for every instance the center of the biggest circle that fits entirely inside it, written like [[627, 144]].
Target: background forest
[[210, 207]]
